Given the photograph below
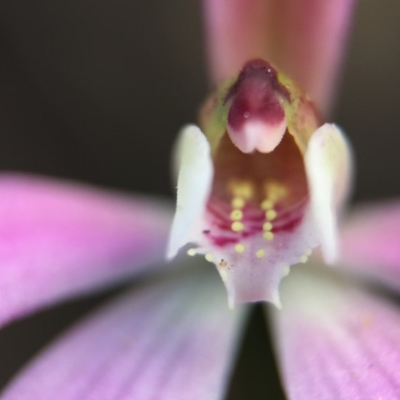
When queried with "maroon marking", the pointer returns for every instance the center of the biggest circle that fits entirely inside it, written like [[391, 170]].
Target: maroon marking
[[265, 72], [222, 241], [253, 219]]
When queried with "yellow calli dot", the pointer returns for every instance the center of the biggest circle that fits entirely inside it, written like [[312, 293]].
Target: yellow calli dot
[[237, 226], [260, 253], [303, 259], [209, 257], [267, 226], [236, 215], [268, 235], [239, 248], [270, 214], [191, 252], [237, 202], [267, 204]]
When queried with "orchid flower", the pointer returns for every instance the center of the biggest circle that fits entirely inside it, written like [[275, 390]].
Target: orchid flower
[[261, 187], [260, 182]]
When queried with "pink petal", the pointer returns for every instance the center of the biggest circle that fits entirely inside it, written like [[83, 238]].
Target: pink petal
[[171, 341], [304, 38], [371, 242], [58, 240], [336, 341]]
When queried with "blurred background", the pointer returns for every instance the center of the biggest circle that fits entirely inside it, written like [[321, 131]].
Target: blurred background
[[96, 91]]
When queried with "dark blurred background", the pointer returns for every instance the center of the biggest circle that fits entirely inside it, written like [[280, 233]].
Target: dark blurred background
[[96, 91]]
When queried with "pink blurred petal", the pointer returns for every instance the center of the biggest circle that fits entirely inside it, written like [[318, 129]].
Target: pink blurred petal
[[336, 341], [171, 341], [371, 242], [304, 38], [58, 240], [237, 31]]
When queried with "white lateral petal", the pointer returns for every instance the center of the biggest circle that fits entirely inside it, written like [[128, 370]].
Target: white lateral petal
[[194, 185], [328, 167]]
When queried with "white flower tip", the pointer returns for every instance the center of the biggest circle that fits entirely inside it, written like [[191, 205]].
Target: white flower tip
[[276, 300], [172, 250], [330, 251]]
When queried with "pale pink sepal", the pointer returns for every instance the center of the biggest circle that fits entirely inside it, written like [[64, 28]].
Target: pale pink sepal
[[173, 340], [328, 162], [61, 239], [236, 32], [370, 242], [315, 34], [336, 341], [306, 39]]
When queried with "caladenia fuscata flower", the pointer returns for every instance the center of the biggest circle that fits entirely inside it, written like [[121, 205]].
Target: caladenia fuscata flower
[[261, 182]]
